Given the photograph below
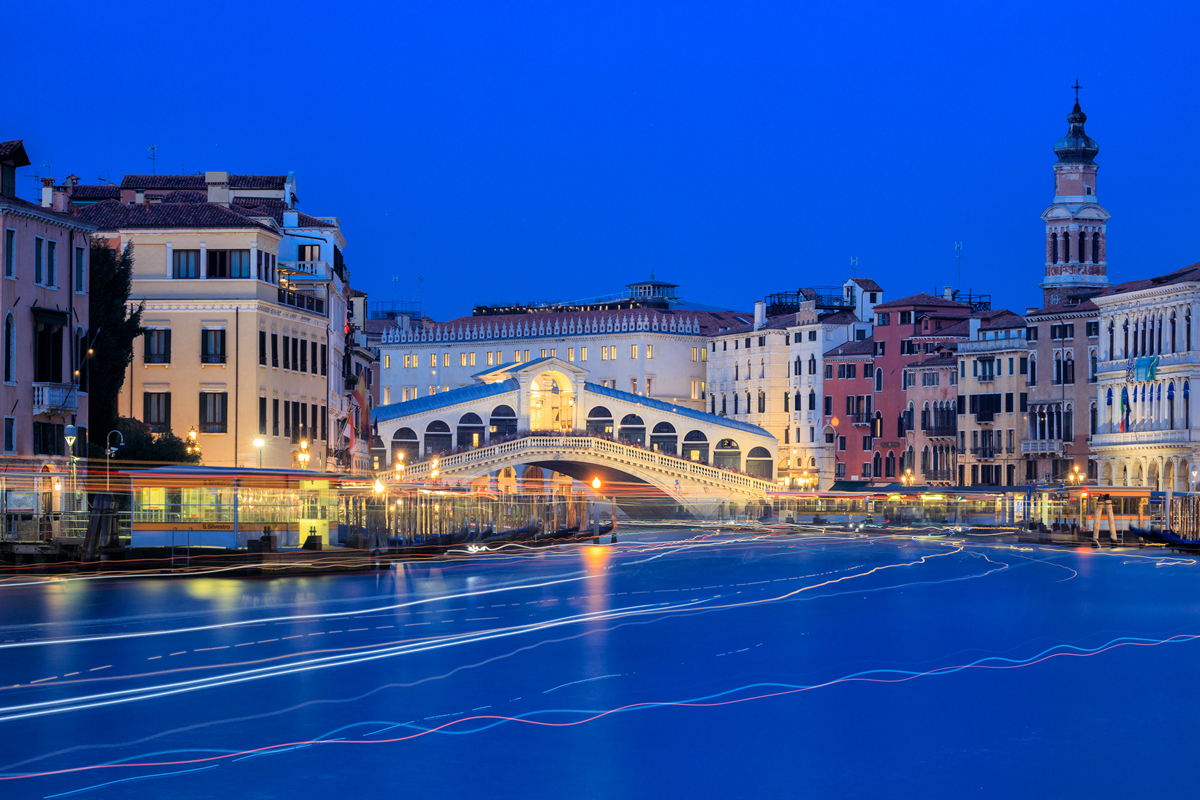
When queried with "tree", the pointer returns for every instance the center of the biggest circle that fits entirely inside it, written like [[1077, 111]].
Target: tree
[[142, 445], [113, 330]]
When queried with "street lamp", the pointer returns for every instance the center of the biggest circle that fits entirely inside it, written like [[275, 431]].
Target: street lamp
[[110, 451], [303, 457], [907, 479], [258, 443], [193, 446], [596, 484], [69, 435]]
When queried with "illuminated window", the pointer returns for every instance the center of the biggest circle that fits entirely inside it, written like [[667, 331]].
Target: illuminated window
[[570, 354], [583, 354], [499, 359], [432, 389], [526, 355], [433, 359], [462, 359], [491, 358], [387, 396], [604, 354], [471, 360], [693, 354], [387, 362], [445, 359], [553, 352], [517, 356], [649, 381], [695, 384], [543, 352], [649, 351], [633, 351], [633, 383], [704, 355]]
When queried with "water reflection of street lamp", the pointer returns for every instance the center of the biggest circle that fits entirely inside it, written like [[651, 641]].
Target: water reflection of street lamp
[[258, 443]]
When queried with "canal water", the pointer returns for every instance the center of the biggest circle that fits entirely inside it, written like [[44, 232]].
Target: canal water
[[674, 663]]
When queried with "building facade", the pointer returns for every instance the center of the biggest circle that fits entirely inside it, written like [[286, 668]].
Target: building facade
[[931, 417], [993, 403], [636, 344], [242, 345], [45, 253]]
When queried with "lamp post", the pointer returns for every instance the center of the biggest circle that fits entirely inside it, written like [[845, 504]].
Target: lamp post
[[303, 457], [69, 435], [258, 444], [110, 451], [193, 446]]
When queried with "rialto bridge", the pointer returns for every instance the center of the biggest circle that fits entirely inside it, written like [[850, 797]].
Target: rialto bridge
[[650, 455]]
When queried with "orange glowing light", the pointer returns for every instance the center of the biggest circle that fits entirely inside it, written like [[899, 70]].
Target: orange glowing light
[[595, 483]]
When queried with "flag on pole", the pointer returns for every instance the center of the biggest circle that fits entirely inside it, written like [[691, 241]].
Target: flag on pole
[[348, 433], [1124, 410]]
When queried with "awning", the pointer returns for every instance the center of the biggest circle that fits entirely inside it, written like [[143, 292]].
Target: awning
[[849, 486], [50, 316]]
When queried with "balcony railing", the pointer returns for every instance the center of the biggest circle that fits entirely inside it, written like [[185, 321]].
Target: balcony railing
[[985, 416], [940, 475], [52, 398], [942, 431], [305, 302], [1141, 437], [986, 452], [1031, 446], [302, 269], [860, 418]]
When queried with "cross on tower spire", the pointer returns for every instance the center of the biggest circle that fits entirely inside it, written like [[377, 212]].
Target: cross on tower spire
[[1077, 87]]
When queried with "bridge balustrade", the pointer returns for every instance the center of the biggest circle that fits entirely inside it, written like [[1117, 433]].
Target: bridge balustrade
[[662, 461]]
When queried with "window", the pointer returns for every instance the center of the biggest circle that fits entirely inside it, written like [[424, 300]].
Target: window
[[695, 393], [52, 263], [156, 411], [633, 348], [527, 354], [10, 259], [433, 359], [324, 424], [295, 353], [308, 252], [583, 354], [516, 356], [274, 349], [543, 352], [1031, 333], [491, 357], [38, 243], [906, 318], [212, 346], [650, 351], [10, 349], [841, 442], [214, 408], [387, 362], [275, 416], [324, 359], [158, 346], [828, 406], [262, 348], [828, 372], [812, 336], [884, 318], [10, 435], [446, 359], [262, 416], [471, 359], [1093, 328], [694, 353], [303, 355], [48, 439], [239, 263], [604, 354], [80, 283]]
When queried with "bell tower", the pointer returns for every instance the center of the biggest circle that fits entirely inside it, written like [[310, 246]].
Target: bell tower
[[1075, 222]]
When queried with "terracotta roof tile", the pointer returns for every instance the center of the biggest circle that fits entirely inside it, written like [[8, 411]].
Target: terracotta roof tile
[[198, 182], [95, 191], [865, 347], [110, 215], [922, 299], [867, 285]]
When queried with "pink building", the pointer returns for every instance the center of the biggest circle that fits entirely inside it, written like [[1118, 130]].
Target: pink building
[[44, 252]]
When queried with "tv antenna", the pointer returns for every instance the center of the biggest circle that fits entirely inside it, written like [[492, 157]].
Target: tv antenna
[[958, 255], [854, 266], [153, 158], [102, 179]]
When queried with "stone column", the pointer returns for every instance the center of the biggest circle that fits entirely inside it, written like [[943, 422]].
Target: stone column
[[203, 260]]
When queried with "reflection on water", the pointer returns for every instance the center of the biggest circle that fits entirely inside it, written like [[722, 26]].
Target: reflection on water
[[675, 663]]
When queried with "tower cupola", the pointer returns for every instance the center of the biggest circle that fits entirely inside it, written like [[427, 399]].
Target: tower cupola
[[1076, 147]]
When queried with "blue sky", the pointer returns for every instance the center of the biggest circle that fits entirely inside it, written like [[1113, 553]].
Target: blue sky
[[494, 151]]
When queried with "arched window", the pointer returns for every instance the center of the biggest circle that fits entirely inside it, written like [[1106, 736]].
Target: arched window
[[10, 349], [735, 404], [1171, 406], [762, 401], [812, 365], [1096, 255], [762, 368], [1173, 341], [1065, 241], [1094, 420], [1187, 320], [878, 379], [1053, 248], [1125, 339], [796, 366], [724, 408], [1079, 253], [1111, 355], [876, 466], [812, 401], [1058, 369], [787, 397], [748, 406], [735, 370]]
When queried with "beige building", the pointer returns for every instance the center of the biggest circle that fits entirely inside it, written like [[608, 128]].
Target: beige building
[[992, 401], [238, 344]]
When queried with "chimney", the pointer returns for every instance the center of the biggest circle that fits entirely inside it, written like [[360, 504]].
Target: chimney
[[47, 192], [974, 326], [760, 314], [1030, 310], [291, 219], [218, 187], [948, 293], [139, 197]]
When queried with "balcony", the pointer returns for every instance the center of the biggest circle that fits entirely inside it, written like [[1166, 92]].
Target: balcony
[[860, 418], [1140, 437], [1034, 446], [986, 452], [304, 302], [940, 476], [985, 416], [54, 398], [942, 431], [305, 270]]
